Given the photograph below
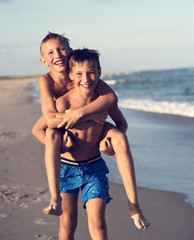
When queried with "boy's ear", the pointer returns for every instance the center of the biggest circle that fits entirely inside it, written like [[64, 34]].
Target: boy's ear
[[71, 76], [99, 71], [44, 62]]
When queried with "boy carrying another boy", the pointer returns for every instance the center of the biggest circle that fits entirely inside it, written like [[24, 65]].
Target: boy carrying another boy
[[55, 50], [82, 166]]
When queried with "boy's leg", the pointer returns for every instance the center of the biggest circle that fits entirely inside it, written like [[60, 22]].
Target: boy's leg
[[53, 163], [126, 168], [68, 220], [124, 158], [96, 219], [39, 130]]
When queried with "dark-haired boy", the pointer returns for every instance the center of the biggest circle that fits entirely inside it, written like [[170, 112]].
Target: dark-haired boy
[[82, 167]]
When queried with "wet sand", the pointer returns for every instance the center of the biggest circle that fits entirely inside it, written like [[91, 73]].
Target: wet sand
[[24, 190]]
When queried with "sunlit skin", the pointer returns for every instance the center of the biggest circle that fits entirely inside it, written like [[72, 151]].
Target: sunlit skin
[[53, 85], [85, 76], [87, 136]]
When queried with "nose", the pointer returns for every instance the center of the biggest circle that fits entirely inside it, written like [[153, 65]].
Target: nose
[[86, 78], [57, 54]]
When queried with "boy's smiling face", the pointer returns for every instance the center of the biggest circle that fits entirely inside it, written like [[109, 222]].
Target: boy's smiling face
[[85, 76], [55, 54]]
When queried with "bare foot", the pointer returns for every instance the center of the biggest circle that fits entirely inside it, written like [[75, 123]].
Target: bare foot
[[54, 208], [140, 221], [136, 214]]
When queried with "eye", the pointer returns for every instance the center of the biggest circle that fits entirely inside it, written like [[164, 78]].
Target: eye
[[62, 49], [78, 74], [51, 52]]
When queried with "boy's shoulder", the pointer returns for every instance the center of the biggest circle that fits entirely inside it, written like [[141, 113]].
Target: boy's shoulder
[[46, 81], [46, 78]]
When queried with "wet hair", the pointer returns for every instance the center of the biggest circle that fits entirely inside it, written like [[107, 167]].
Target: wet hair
[[53, 36], [81, 55]]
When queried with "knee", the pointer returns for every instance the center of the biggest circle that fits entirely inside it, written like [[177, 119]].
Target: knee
[[99, 225], [52, 134], [98, 228], [68, 227], [120, 141]]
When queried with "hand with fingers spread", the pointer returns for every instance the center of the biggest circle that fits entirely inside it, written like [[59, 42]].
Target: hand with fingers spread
[[69, 119], [72, 117]]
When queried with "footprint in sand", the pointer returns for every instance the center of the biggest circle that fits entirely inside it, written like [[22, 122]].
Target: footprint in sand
[[3, 215], [37, 200], [44, 237], [42, 222], [7, 134], [23, 205]]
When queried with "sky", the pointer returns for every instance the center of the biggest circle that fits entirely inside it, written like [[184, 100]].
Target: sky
[[131, 35]]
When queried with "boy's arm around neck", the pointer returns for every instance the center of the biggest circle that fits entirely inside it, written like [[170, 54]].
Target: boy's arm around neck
[[107, 98]]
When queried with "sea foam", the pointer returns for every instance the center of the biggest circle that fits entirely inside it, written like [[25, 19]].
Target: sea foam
[[163, 107]]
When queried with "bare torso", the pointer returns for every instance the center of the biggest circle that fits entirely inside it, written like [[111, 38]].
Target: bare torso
[[86, 135]]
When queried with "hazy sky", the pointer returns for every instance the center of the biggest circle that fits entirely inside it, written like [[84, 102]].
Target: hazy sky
[[130, 34]]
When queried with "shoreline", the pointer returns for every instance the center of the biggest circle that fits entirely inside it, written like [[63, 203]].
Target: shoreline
[[154, 119], [162, 148], [159, 118], [24, 191]]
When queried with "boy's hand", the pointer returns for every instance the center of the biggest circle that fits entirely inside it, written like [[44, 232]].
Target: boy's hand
[[70, 118], [106, 146], [136, 214], [66, 143]]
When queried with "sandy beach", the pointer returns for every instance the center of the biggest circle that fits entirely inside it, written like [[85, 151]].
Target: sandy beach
[[24, 190]]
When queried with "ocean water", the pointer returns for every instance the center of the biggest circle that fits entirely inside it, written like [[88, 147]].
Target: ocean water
[[164, 91], [163, 149]]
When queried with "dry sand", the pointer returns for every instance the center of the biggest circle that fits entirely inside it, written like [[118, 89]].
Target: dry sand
[[24, 191]]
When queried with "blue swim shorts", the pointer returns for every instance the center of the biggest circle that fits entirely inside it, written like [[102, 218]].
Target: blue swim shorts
[[89, 176]]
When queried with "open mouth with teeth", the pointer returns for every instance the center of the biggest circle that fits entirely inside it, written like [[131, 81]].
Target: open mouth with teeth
[[86, 85], [61, 62]]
